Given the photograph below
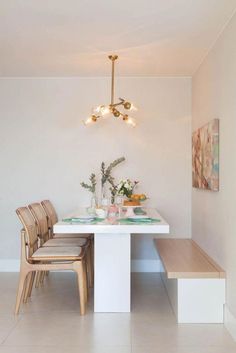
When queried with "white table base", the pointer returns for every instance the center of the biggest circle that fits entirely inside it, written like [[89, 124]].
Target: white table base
[[112, 272]]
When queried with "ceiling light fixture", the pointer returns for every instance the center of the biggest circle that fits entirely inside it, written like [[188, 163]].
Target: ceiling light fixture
[[113, 108]]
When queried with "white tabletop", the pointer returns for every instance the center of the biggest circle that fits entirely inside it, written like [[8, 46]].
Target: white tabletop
[[114, 225]]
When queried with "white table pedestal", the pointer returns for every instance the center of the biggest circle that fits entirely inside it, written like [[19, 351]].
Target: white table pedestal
[[112, 272]]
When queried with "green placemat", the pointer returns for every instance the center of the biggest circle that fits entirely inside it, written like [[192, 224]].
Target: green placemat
[[77, 220], [141, 220]]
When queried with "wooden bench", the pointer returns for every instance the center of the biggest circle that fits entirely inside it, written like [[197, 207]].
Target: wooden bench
[[194, 282]]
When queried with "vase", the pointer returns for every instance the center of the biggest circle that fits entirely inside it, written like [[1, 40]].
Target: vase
[[104, 200], [93, 202]]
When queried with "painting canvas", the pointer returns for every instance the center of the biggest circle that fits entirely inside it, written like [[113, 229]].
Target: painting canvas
[[205, 156]]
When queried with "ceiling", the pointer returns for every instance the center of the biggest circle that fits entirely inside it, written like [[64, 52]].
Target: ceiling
[[74, 37]]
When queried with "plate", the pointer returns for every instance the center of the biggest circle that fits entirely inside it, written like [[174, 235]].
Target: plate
[[84, 216], [82, 219]]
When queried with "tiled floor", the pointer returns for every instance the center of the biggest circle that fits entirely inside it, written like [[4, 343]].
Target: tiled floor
[[51, 322]]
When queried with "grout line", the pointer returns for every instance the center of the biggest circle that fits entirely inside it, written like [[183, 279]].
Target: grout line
[[154, 76], [19, 318]]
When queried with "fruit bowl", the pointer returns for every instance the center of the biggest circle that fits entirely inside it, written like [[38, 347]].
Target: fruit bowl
[[135, 200], [131, 203]]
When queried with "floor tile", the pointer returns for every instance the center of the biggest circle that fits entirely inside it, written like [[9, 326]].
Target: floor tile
[[69, 328], [54, 311], [65, 349], [7, 324], [154, 333], [180, 349]]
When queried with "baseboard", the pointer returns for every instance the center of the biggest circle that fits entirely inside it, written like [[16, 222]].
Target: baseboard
[[230, 322], [13, 265], [146, 266]]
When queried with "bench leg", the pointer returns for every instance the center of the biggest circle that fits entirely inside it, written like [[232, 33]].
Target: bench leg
[[196, 300], [201, 300]]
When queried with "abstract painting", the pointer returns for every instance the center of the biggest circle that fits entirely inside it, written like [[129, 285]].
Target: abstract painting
[[205, 156]]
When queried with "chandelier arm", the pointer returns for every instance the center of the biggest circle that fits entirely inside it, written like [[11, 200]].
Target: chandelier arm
[[116, 104]]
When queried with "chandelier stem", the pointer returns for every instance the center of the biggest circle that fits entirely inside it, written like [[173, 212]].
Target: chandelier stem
[[112, 82], [113, 58]]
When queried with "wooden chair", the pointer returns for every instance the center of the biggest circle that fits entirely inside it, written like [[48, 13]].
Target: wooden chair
[[52, 219], [47, 240], [46, 237], [35, 258]]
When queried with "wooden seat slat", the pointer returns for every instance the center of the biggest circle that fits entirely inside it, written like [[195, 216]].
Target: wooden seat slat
[[183, 258]]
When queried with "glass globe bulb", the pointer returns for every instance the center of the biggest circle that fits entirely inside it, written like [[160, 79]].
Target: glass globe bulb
[[131, 121], [102, 109], [133, 107], [91, 119]]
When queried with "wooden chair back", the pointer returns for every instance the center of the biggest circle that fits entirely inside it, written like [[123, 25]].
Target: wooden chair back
[[50, 212], [30, 228], [41, 221]]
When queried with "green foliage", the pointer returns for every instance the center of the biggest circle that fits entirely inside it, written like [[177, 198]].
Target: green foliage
[[106, 172], [113, 188], [92, 186]]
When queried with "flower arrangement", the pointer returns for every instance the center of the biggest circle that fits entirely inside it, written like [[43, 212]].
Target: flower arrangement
[[126, 187], [107, 177]]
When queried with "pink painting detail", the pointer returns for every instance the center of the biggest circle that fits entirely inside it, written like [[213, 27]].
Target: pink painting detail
[[205, 156]]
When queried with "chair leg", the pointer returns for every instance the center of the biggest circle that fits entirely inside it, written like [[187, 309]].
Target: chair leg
[[89, 267], [41, 278], [80, 278], [21, 288], [92, 252], [27, 286], [31, 284], [85, 279], [37, 282], [92, 262]]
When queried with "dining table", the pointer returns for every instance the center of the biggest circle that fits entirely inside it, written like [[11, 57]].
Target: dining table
[[112, 253]]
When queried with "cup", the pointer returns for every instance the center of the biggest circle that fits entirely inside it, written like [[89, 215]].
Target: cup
[[101, 213]]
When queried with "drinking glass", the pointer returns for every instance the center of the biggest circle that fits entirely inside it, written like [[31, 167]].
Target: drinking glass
[[119, 202]]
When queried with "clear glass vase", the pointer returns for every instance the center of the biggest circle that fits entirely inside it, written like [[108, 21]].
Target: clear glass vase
[[93, 202], [104, 198]]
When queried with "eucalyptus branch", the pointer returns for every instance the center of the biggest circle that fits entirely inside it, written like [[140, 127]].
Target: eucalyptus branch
[[106, 172], [92, 186], [113, 188]]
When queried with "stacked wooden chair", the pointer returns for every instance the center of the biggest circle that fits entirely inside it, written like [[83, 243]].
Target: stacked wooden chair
[[53, 218], [42, 252]]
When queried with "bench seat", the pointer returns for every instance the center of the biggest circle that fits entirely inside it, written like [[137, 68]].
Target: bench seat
[[183, 258], [195, 283]]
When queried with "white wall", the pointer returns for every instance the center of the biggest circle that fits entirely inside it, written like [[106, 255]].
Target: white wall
[[213, 213], [46, 151]]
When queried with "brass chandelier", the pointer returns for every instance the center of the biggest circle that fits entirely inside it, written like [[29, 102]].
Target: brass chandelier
[[113, 108]]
